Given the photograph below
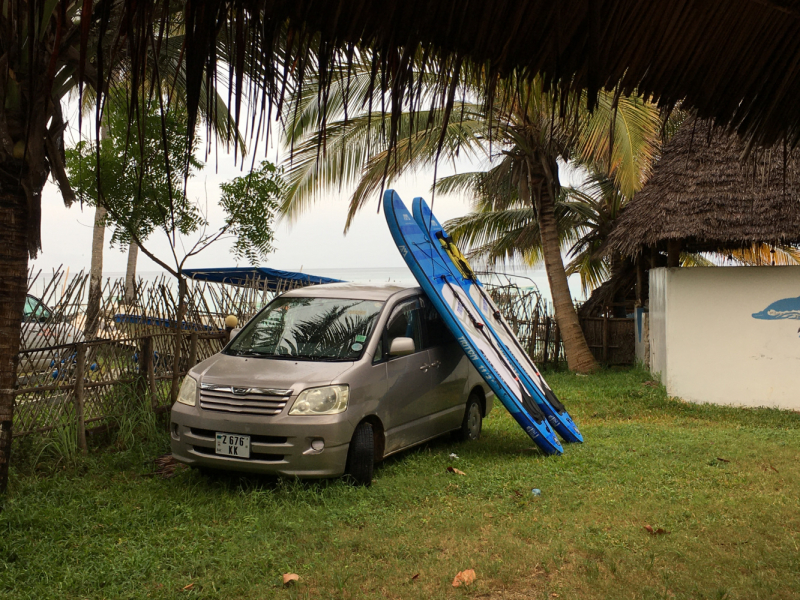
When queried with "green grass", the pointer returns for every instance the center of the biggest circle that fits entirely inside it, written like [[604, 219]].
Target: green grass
[[107, 528]]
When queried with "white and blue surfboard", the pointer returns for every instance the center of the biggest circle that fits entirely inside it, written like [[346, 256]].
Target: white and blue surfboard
[[548, 402], [465, 322]]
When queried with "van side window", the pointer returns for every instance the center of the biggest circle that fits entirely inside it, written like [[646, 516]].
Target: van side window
[[436, 332], [406, 321], [378, 352]]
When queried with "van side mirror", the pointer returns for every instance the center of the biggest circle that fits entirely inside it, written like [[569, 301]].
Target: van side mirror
[[401, 346]]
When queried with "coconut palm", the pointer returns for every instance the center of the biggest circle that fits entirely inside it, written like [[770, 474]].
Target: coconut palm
[[521, 136], [50, 49], [508, 230]]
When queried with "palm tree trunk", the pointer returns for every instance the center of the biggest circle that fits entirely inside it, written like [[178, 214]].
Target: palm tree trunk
[[96, 274], [130, 273], [96, 269], [13, 287], [543, 175]]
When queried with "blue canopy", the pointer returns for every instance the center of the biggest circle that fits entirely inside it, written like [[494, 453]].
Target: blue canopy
[[246, 275]]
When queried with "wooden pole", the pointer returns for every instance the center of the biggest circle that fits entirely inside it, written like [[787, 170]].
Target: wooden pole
[[80, 369], [534, 337], [558, 344], [148, 368], [192, 350], [673, 253], [640, 280], [546, 339], [605, 338]]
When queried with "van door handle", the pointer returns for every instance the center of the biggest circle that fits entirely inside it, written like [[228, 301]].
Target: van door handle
[[424, 368], [436, 364]]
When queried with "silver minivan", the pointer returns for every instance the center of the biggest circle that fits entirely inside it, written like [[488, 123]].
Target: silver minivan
[[328, 380]]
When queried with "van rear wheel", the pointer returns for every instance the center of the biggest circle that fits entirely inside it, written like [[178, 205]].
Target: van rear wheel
[[473, 420], [361, 455]]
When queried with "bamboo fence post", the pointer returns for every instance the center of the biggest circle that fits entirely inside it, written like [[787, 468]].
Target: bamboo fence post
[[534, 337], [558, 344], [148, 367], [605, 338], [192, 350], [80, 369], [546, 339]]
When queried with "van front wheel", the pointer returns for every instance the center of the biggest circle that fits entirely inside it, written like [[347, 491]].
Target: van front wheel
[[361, 455]]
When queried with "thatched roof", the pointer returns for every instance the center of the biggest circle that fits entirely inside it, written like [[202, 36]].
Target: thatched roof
[[703, 193], [732, 60]]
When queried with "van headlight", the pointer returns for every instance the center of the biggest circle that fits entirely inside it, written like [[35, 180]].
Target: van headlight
[[188, 393], [327, 400]]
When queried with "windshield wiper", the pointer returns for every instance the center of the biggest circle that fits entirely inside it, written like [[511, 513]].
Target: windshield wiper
[[246, 353], [311, 357]]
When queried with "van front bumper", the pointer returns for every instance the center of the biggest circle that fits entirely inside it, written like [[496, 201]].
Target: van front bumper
[[279, 445]]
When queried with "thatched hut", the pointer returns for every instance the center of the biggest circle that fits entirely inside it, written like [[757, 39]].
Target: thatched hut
[[705, 196]]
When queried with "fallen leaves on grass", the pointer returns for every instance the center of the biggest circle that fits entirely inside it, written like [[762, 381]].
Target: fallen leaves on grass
[[415, 577], [725, 460], [290, 578], [769, 467], [518, 494], [188, 588], [651, 383], [455, 471], [658, 531], [464, 578], [166, 466]]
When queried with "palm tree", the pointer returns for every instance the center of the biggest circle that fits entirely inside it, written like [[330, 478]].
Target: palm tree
[[501, 228], [523, 135], [48, 50]]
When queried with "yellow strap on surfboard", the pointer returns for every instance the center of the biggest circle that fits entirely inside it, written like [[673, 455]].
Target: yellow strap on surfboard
[[459, 260]]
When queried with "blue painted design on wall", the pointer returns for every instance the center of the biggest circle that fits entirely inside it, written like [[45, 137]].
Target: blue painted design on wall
[[639, 312], [788, 308]]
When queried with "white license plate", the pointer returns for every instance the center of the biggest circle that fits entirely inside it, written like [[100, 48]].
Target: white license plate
[[233, 445]]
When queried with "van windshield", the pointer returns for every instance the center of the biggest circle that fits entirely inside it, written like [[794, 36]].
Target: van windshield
[[309, 329]]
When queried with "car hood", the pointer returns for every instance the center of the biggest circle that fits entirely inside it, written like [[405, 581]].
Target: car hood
[[247, 371]]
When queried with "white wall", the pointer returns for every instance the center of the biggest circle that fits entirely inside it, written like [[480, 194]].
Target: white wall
[[657, 317], [707, 345]]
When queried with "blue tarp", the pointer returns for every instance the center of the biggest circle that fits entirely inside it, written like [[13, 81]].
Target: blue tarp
[[245, 276]]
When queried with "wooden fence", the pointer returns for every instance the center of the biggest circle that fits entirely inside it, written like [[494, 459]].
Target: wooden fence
[[68, 377], [612, 341], [67, 380], [100, 379]]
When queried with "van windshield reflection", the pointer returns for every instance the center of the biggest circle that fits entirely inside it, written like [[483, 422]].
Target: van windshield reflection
[[309, 329]]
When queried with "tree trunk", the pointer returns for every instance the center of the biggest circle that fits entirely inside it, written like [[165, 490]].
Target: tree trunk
[[96, 269], [176, 357], [130, 274], [13, 288], [96, 275], [541, 187]]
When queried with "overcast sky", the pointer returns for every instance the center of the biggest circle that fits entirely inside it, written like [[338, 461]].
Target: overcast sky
[[316, 240]]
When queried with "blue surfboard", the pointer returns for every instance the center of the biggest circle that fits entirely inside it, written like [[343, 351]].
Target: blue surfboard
[[466, 324], [548, 402]]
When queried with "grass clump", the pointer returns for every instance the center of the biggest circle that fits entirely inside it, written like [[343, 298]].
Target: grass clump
[[723, 482]]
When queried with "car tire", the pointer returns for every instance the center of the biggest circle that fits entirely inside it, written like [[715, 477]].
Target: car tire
[[361, 455], [473, 420]]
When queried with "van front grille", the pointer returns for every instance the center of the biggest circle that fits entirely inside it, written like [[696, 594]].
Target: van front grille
[[243, 400], [256, 439], [253, 455]]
